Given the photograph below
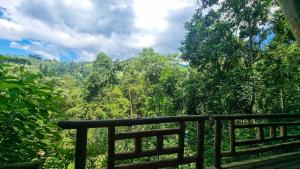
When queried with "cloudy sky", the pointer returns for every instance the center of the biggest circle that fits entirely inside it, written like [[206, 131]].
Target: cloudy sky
[[68, 30]]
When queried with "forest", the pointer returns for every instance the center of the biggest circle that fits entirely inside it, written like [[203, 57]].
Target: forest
[[238, 57]]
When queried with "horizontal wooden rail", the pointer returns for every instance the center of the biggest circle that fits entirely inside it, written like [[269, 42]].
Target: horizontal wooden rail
[[289, 145], [255, 116], [268, 139], [149, 133], [74, 124], [278, 124], [145, 153]]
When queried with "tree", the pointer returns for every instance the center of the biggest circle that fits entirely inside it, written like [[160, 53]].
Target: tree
[[226, 44], [28, 104], [103, 75]]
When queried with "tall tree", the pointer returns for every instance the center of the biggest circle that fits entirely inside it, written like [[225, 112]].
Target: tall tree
[[103, 75], [226, 42]]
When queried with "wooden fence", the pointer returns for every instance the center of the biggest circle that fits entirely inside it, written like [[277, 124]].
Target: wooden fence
[[113, 156], [275, 125], [270, 128]]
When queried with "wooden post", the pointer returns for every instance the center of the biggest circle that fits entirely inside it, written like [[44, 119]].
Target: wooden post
[[261, 134], [138, 144], [200, 145], [232, 135], [111, 147], [273, 131], [160, 143], [283, 132], [218, 137], [80, 153], [181, 141]]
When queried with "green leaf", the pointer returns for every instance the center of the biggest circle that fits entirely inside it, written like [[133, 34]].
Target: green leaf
[[10, 85]]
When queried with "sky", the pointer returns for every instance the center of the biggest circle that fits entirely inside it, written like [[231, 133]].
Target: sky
[[76, 30]]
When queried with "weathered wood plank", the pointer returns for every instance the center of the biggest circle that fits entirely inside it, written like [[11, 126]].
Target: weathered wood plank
[[158, 164], [264, 162], [293, 164], [262, 149]]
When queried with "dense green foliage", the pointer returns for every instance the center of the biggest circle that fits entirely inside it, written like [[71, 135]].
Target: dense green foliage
[[27, 105], [242, 59], [241, 67]]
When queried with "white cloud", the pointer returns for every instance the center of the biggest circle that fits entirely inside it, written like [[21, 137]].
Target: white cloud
[[10, 26], [152, 15], [46, 50], [119, 28]]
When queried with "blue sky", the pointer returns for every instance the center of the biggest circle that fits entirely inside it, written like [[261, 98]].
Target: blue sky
[[75, 30], [6, 49]]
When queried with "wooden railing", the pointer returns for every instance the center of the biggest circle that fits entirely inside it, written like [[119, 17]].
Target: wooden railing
[[36, 164], [113, 156], [275, 125], [270, 128]]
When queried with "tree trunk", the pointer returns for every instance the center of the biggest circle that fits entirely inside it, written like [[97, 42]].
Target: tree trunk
[[291, 12], [281, 101], [130, 99], [252, 99]]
